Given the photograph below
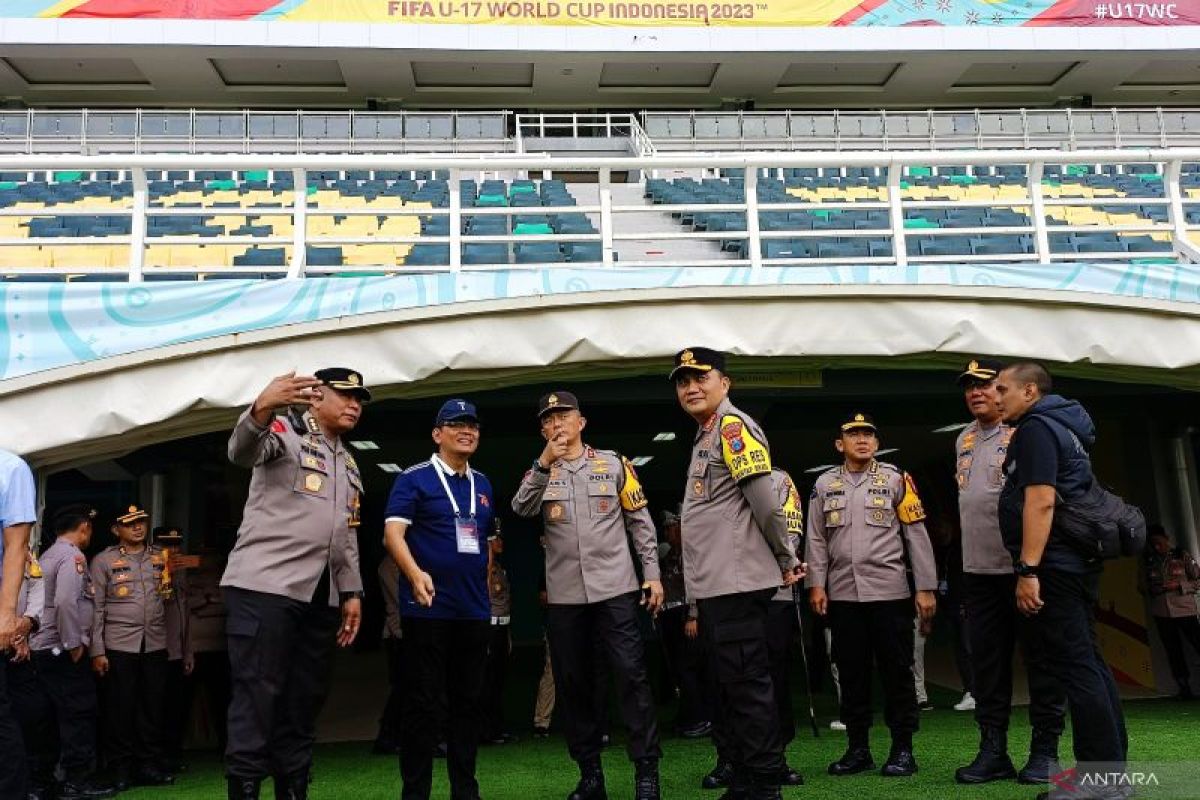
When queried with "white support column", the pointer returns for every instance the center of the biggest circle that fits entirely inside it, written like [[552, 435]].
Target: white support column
[[138, 224], [606, 217], [1175, 210], [754, 241], [896, 214], [299, 224], [455, 221], [1037, 210]]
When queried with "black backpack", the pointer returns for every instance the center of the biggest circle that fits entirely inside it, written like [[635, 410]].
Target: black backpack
[[1097, 523]]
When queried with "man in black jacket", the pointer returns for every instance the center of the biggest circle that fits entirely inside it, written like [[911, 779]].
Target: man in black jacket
[[1047, 462]]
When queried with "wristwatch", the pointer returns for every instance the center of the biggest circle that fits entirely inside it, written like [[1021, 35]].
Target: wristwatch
[[1024, 570], [537, 467]]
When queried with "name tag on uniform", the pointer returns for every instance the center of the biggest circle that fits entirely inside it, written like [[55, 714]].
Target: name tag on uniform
[[466, 533]]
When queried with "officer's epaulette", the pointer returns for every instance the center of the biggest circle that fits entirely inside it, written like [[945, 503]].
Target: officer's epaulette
[[889, 466]]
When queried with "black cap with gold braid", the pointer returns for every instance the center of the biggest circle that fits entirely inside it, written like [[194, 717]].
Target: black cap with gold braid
[[698, 359], [980, 370], [858, 422], [132, 514], [344, 380], [557, 401]]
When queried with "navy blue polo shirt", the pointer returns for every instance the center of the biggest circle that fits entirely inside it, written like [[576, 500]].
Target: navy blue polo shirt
[[459, 579]]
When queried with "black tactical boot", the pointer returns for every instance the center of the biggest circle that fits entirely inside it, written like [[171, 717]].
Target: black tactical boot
[[646, 780], [720, 777], [790, 777], [292, 787], [991, 762], [1043, 759], [591, 782], [242, 788], [857, 757], [901, 763]]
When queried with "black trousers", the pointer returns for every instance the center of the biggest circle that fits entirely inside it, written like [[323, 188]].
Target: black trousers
[[782, 629], [280, 654], [69, 690], [1062, 642], [1172, 631], [734, 629], [35, 715], [177, 707], [14, 777], [995, 626], [136, 687], [389, 723], [875, 635], [686, 667], [443, 681], [581, 634], [495, 673]]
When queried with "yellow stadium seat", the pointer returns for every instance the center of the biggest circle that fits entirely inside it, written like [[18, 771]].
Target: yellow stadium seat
[[77, 256], [370, 255], [190, 256], [24, 256]]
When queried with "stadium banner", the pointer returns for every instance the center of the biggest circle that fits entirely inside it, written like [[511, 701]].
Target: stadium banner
[[634, 13]]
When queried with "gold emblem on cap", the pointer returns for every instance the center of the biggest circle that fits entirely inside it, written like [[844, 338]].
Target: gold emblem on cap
[[974, 365], [353, 379], [859, 418], [552, 400], [687, 357], [133, 509]]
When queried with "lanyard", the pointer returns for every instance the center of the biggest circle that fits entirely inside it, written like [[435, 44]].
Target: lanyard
[[440, 467]]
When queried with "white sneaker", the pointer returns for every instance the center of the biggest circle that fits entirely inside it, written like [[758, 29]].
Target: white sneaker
[[837, 725], [966, 704]]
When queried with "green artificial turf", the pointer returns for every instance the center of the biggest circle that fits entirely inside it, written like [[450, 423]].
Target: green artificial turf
[[1159, 730]]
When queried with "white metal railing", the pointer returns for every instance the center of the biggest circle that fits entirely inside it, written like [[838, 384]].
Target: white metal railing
[[613, 217], [97, 131], [925, 130]]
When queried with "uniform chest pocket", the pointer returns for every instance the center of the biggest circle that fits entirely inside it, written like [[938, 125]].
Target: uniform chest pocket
[[698, 477], [602, 498], [834, 509], [313, 481], [881, 517], [557, 511], [996, 470], [556, 490]]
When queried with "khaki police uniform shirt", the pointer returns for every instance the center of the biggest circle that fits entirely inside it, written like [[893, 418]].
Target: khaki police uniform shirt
[[67, 617], [130, 615], [301, 515], [590, 506], [788, 497], [500, 593], [859, 527], [734, 531], [980, 475]]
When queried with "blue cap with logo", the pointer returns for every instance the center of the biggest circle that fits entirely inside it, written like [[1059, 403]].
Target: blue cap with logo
[[456, 409]]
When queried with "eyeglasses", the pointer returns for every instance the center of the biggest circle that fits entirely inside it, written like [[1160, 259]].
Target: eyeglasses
[[461, 425]]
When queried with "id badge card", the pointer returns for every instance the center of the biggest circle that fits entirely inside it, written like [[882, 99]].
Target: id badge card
[[466, 532]]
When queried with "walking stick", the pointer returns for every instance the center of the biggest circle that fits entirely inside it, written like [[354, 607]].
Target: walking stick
[[812, 714]]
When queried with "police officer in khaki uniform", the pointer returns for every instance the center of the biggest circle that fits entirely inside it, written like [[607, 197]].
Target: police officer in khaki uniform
[[591, 503], [865, 530], [129, 649], [294, 565], [60, 654], [735, 557], [994, 624]]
